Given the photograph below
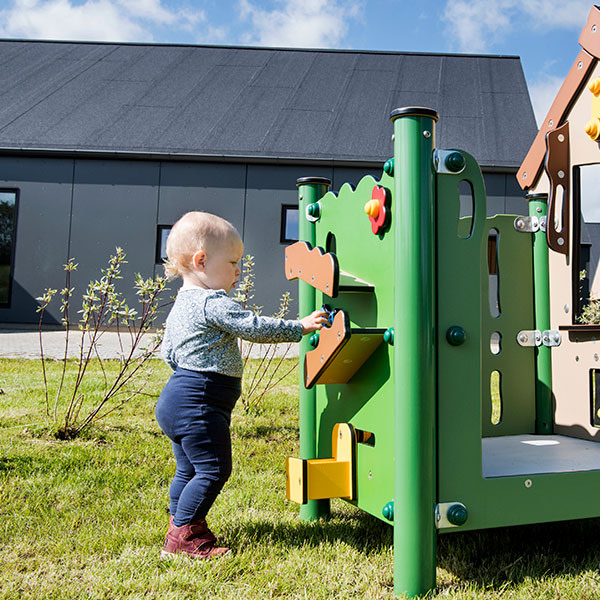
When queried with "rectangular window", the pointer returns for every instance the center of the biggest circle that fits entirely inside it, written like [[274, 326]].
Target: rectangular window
[[289, 223], [8, 234], [161, 243], [586, 276]]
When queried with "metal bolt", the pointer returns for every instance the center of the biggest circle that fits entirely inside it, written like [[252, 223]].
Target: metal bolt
[[538, 209], [594, 28], [556, 338], [580, 65], [577, 359], [551, 123], [596, 357], [370, 475], [524, 175], [520, 223], [528, 483], [523, 338], [427, 134], [566, 307], [561, 174]]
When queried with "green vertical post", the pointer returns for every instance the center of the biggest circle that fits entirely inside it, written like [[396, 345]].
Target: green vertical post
[[310, 190], [538, 207], [414, 351]]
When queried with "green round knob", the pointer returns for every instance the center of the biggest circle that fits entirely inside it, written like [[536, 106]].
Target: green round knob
[[314, 339], [314, 210], [388, 336], [455, 162], [456, 335], [388, 511], [388, 167], [457, 514]]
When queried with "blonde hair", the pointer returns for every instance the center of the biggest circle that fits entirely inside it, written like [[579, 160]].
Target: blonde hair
[[194, 231]]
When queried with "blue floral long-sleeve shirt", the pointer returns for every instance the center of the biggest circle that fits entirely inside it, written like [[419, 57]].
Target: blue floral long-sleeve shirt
[[203, 326]]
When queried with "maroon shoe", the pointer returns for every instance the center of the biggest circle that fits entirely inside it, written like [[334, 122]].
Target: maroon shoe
[[194, 539]]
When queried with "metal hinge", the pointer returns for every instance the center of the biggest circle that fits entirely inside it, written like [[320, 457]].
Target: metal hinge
[[528, 224], [534, 337], [551, 337]]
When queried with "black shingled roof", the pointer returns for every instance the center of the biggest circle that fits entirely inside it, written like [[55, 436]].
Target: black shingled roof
[[239, 102]]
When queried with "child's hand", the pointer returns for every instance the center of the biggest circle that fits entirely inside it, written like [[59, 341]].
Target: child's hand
[[313, 321]]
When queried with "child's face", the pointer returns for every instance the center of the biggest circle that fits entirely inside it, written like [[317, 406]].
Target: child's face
[[220, 267]]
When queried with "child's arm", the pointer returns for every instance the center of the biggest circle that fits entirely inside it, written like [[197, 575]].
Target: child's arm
[[166, 351], [228, 315]]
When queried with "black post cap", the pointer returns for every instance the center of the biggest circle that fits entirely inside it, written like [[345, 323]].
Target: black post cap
[[317, 180], [414, 111]]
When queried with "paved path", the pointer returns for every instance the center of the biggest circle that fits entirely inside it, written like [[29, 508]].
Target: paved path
[[25, 343]]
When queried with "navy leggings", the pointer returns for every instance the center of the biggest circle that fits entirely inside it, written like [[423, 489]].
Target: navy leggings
[[194, 411]]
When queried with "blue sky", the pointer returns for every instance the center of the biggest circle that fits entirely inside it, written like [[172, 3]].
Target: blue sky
[[543, 33]]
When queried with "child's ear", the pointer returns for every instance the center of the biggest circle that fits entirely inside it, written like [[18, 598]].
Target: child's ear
[[199, 260]]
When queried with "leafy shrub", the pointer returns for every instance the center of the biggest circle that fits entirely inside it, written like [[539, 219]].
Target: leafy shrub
[[69, 404]]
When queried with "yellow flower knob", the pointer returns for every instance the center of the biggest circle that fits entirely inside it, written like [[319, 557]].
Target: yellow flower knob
[[594, 86], [372, 208], [593, 128]]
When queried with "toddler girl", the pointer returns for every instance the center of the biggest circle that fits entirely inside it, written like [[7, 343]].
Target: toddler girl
[[200, 345]]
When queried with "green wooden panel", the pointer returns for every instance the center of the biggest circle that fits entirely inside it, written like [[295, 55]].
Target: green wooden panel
[[366, 400], [464, 371]]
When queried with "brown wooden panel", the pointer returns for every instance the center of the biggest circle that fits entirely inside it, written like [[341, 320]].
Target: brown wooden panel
[[340, 353], [313, 266], [589, 39], [558, 168], [531, 167]]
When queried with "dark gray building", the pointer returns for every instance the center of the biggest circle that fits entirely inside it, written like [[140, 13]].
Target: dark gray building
[[105, 145]]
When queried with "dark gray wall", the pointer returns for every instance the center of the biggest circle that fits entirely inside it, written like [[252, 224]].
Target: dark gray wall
[[43, 224], [85, 208]]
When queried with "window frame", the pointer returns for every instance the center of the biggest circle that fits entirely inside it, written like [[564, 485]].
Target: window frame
[[283, 221], [158, 259], [11, 271]]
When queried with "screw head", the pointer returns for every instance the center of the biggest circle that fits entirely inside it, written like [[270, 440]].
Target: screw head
[[388, 511], [456, 335], [388, 336], [457, 514], [455, 162], [388, 166], [427, 134]]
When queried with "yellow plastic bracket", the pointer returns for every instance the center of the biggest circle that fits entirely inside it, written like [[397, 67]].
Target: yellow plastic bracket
[[325, 477]]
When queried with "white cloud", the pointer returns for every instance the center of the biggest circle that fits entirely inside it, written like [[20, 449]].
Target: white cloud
[[475, 25], [103, 20], [300, 23], [543, 91]]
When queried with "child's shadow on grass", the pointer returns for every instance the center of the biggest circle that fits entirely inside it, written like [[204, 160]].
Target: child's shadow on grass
[[494, 557]]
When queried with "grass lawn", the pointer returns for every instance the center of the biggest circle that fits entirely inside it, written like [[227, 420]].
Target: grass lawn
[[87, 518]]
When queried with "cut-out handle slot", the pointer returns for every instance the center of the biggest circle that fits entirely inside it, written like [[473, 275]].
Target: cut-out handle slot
[[496, 397], [494, 273]]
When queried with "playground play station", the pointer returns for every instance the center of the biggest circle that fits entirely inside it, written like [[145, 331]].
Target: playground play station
[[457, 386]]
